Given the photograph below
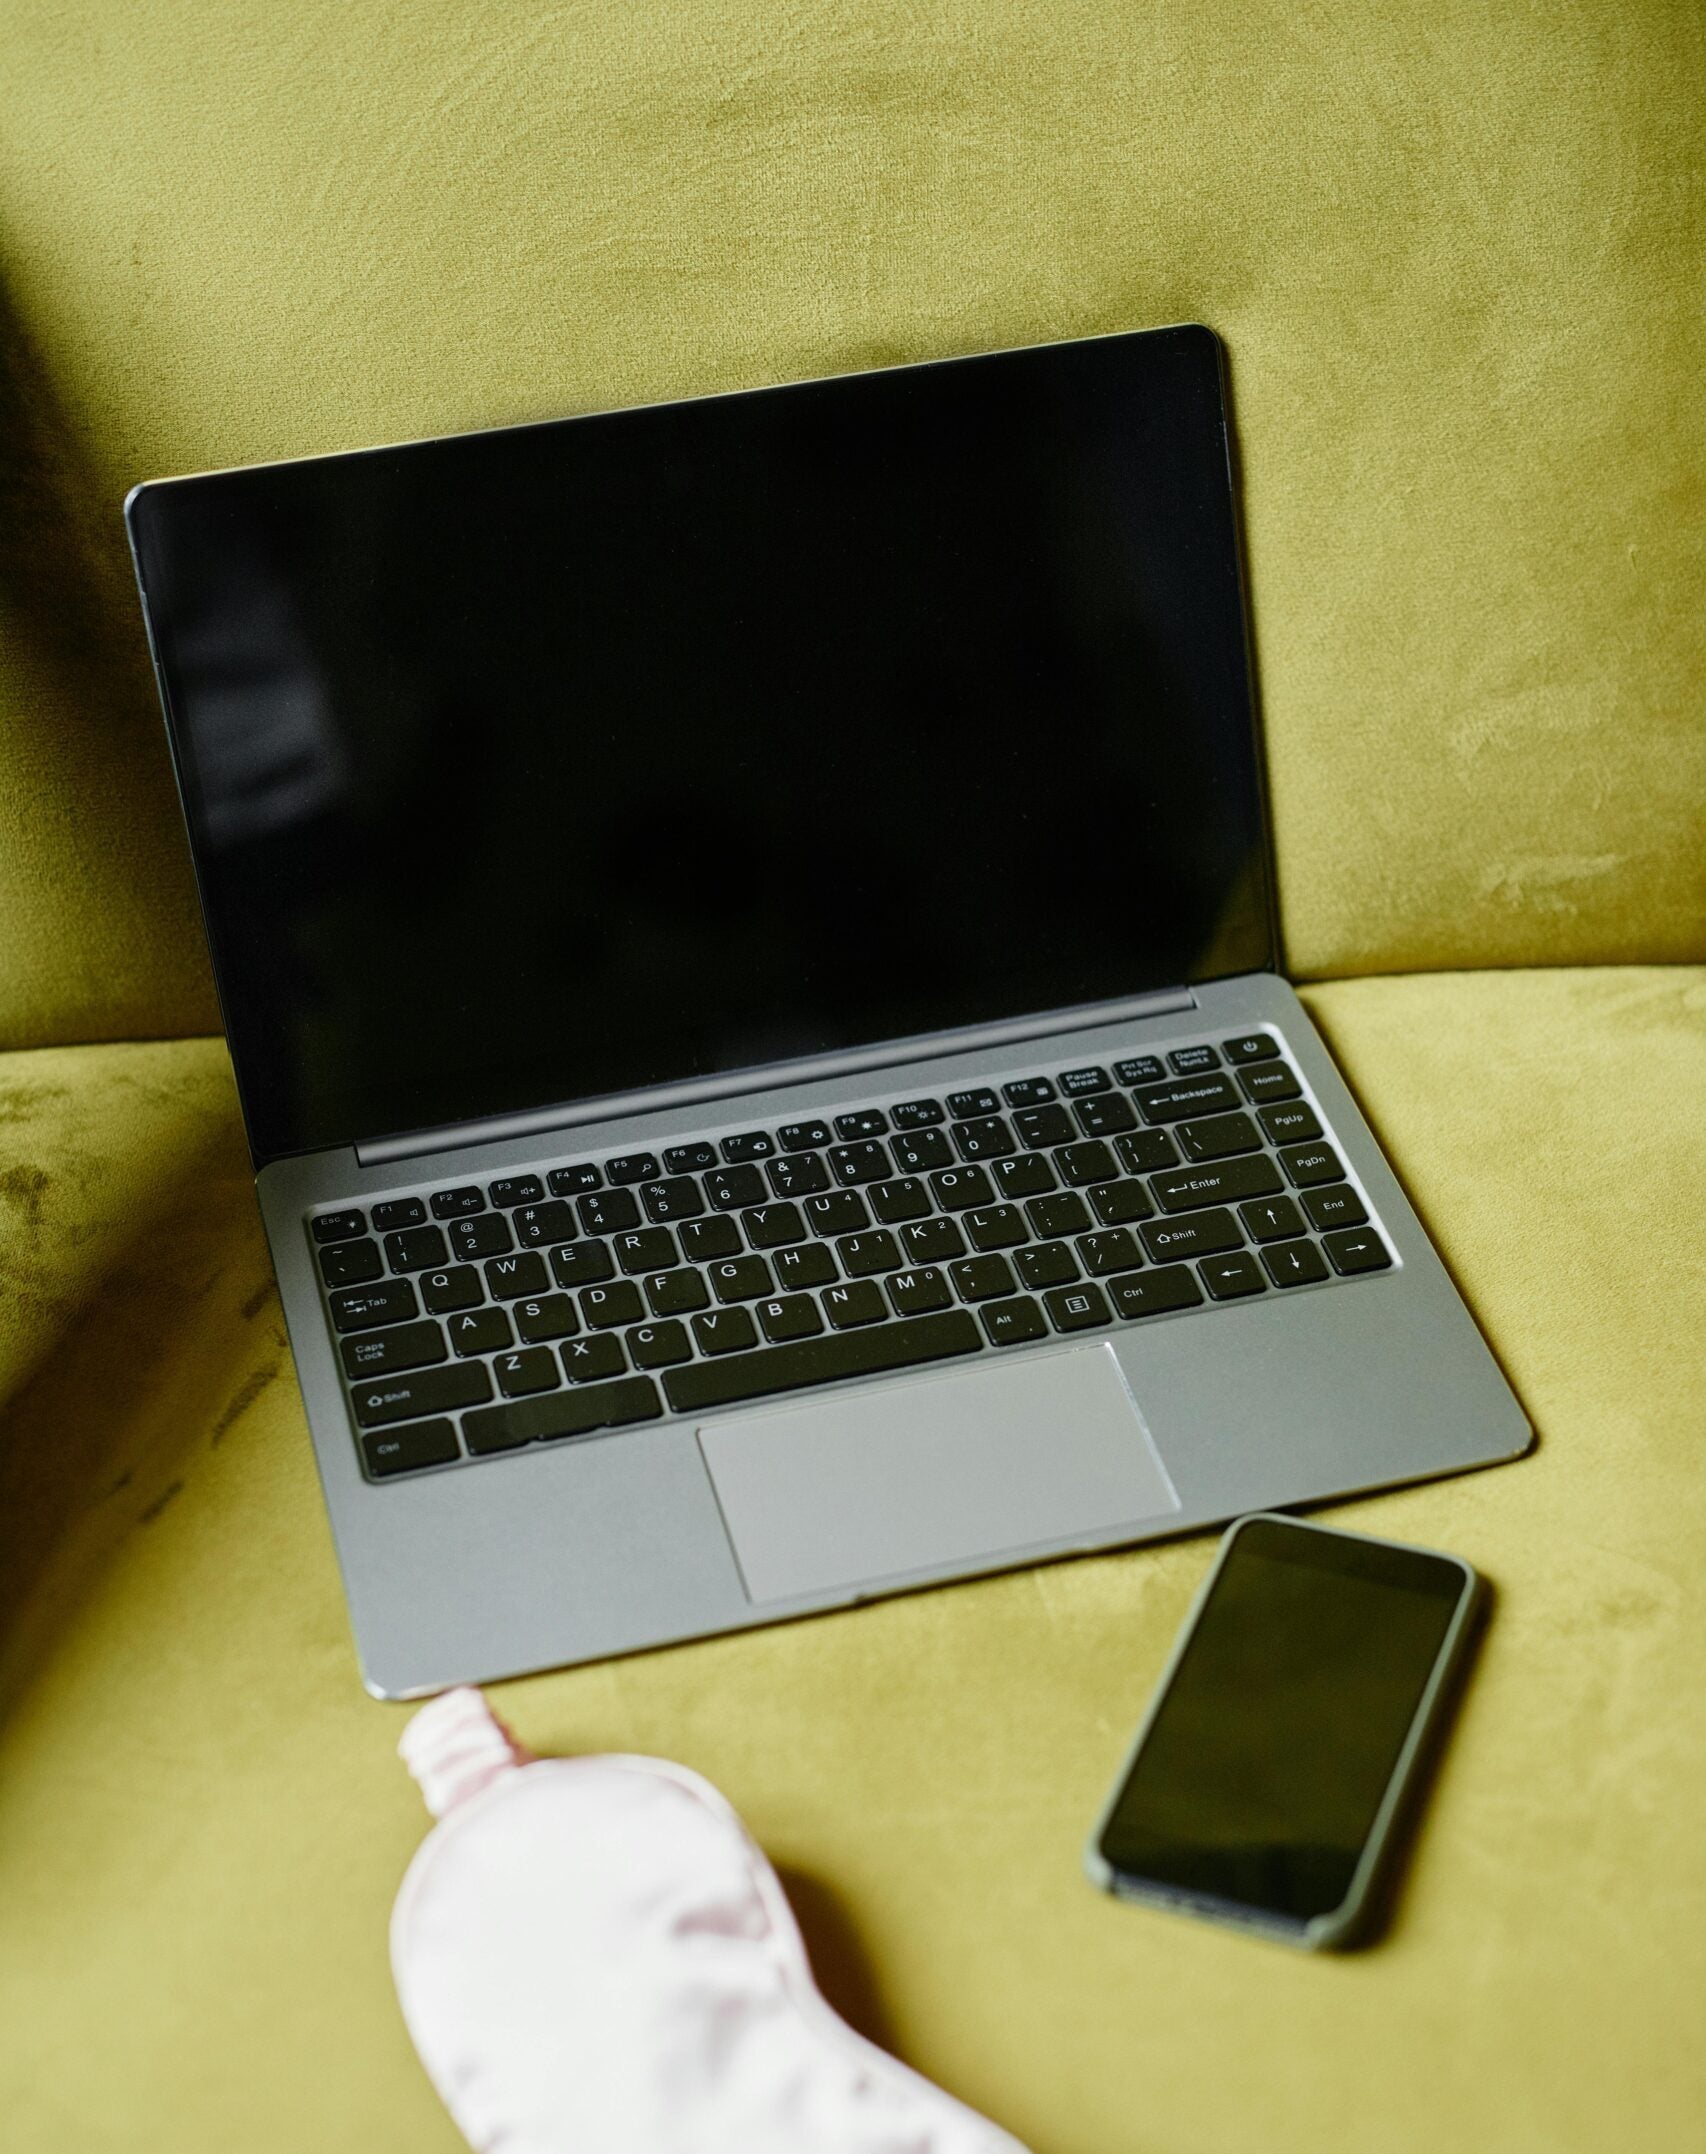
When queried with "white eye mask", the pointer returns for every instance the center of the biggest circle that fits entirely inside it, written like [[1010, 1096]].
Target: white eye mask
[[594, 1958]]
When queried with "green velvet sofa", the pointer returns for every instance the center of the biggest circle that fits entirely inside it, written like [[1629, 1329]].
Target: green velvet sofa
[[1455, 251]]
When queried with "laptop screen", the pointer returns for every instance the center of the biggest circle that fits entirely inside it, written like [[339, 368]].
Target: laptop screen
[[535, 765]]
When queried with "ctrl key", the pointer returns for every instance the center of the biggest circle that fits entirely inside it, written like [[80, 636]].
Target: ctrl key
[[407, 1450]]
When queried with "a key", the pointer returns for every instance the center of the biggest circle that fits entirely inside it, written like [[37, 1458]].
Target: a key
[[538, 1225], [979, 1100], [1185, 1097], [863, 1254], [1272, 1083], [582, 1264], [802, 1175], [1063, 1213], [646, 1249], [445, 1291], [575, 1181], [659, 1346], [1028, 1092], [1107, 1116], [337, 1226], [856, 1352], [1221, 1136], [486, 1236], [1339, 1206], [1077, 1308], [550, 1316], [1187, 1061], [957, 1189], [895, 1202], [608, 1211], [676, 1198], [676, 1293], [507, 1276], [618, 1303], [741, 1278], [809, 1265], [457, 1203], [792, 1316], [399, 1212], [632, 1167], [916, 1114], [753, 1144], [1190, 1189], [868, 1122], [1113, 1249], [414, 1249], [918, 1293], [852, 1164], [1041, 1127], [724, 1331], [1197, 1234], [516, 1189], [1154, 1293], [400, 1346], [360, 1308], [1145, 1151], [1045, 1264], [989, 1138], [803, 1136], [1251, 1047], [996, 1226], [1083, 1163], [917, 1151], [1290, 1123], [1309, 1164], [1355, 1249], [1117, 1204], [704, 1239], [860, 1302], [689, 1158], [771, 1225], [479, 1331], [1230, 1278], [733, 1189], [1294, 1264], [842, 1212], [1274, 1219], [1026, 1175], [1140, 1069], [932, 1241], [979, 1278], [406, 1450], [1013, 1323], [562, 1415], [379, 1401], [1079, 1084], [592, 1360]]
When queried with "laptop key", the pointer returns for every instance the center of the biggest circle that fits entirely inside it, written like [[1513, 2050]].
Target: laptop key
[[1336, 1207], [402, 1346], [1090, 1161], [1185, 1097], [989, 1138], [406, 1450], [445, 1291], [957, 1189], [802, 1175], [566, 1413], [1251, 1047], [932, 1241], [582, 1263], [1308, 1164], [1273, 1082], [1046, 1264], [517, 1189], [457, 1203], [632, 1167], [1186, 1061], [337, 1226], [724, 1331], [1189, 1189], [1106, 1116], [539, 1224], [486, 1236], [863, 1254], [919, 1293], [1230, 1278], [742, 1278], [979, 1100], [351, 1263], [415, 1249], [803, 1136], [1028, 1092], [861, 1302], [770, 1225], [549, 1316], [917, 1151], [1140, 1069], [1220, 1137], [619, 1303], [754, 1144], [659, 1346], [575, 1181], [1079, 1084], [1146, 1151], [852, 1164], [895, 1202], [1294, 1264], [1117, 1204], [591, 1360], [611, 1211], [1041, 1127], [1292, 1123], [647, 1249], [704, 1239], [1113, 1249], [823, 1361], [1027, 1175], [399, 1212], [733, 1189], [809, 1265], [1154, 1293], [508, 1276], [1077, 1308], [842, 1212], [479, 1331], [1064, 1213], [868, 1122], [392, 1301], [998, 1226], [792, 1316], [410, 1398], [1274, 1220], [916, 1114], [689, 1158], [1013, 1323], [1355, 1249], [1199, 1234], [676, 1293], [981, 1278], [676, 1198]]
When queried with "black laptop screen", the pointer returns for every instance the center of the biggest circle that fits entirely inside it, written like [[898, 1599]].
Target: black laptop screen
[[530, 766]]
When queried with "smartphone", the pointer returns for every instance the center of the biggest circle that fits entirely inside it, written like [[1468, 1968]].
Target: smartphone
[[1270, 1775]]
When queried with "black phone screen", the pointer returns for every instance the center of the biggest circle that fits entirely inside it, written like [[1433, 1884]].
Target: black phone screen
[[1262, 1772]]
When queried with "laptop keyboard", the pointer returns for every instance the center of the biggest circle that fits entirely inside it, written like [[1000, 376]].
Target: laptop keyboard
[[474, 1320]]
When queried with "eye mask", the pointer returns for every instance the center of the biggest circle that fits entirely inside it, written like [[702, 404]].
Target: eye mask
[[593, 1957]]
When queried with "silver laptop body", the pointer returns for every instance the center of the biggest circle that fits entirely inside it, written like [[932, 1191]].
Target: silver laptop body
[[579, 1385]]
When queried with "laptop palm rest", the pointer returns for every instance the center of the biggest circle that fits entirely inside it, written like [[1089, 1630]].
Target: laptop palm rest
[[973, 1463]]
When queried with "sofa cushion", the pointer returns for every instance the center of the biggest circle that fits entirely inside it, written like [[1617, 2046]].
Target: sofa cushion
[[203, 1822], [1452, 255]]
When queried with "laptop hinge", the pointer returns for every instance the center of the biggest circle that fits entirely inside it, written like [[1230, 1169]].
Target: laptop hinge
[[773, 1076]]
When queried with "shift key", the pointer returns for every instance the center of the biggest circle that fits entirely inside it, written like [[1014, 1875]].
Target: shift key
[[433, 1391], [1196, 1234]]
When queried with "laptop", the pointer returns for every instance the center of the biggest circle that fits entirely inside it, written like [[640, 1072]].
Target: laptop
[[746, 934]]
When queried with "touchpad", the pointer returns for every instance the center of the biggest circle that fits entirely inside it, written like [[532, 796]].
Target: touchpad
[[996, 1460]]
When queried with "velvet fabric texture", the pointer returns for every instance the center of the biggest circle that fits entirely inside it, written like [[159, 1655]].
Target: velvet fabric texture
[[1455, 252]]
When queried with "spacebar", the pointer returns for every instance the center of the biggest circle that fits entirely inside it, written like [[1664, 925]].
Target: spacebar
[[821, 1361]]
